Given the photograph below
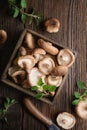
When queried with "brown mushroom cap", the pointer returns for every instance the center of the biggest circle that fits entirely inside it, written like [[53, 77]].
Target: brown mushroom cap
[[81, 109], [65, 57], [52, 25], [38, 53], [23, 51], [54, 80], [34, 76], [59, 70], [3, 36], [26, 62], [66, 120], [25, 84], [47, 46], [46, 65], [29, 40]]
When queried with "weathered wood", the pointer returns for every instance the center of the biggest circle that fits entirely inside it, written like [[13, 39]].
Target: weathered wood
[[73, 33]]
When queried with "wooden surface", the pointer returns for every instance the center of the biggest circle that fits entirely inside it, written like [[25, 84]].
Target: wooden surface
[[73, 33]]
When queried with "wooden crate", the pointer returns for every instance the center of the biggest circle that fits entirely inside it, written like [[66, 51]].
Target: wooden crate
[[8, 81]]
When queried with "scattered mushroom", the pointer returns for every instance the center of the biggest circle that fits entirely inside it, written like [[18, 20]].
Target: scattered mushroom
[[26, 62], [46, 65], [81, 109], [48, 47], [29, 40], [34, 76], [59, 70], [54, 80], [38, 53], [23, 51], [66, 120], [65, 57], [52, 25], [3, 36]]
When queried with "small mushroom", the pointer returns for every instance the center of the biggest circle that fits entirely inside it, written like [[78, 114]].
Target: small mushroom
[[29, 40], [26, 62], [59, 70], [48, 47], [52, 25], [34, 76], [54, 80], [23, 51], [46, 65], [38, 53], [66, 120], [65, 57], [81, 109], [3, 36], [14, 72]]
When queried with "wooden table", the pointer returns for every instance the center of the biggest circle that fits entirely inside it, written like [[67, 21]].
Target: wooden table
[[73, 33]]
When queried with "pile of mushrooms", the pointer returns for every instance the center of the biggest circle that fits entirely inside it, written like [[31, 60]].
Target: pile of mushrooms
[[41, 60]]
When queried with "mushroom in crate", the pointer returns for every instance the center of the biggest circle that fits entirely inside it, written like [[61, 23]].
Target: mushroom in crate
[[39, 66]]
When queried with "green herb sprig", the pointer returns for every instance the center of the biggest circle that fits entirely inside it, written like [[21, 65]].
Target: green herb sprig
[[44, 88], [78, 96], [7, 104], [18, 7]]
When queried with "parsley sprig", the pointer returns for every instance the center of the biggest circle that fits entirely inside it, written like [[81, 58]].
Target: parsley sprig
[[43, 88], [78, 96], [7, 104], [17, 7]]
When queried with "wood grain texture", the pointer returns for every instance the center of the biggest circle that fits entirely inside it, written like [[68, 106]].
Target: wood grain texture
[[73, 33]]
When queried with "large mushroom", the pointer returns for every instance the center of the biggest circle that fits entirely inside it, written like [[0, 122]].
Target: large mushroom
[[34, 76], [81, 109], [3, 36], [66, 120], [65, 57], [54, 80], [29, 40], [38, 53], [27, 62], [48, 47], [52, 25], [46, 65], [59, 70], [16, 73]]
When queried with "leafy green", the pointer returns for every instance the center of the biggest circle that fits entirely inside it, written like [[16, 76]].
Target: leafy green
[[23, 18], [81, 85], [23, 4], [40, 82], [39, 95], [34, 88], [16, 13], [49, 88], [78, 96]]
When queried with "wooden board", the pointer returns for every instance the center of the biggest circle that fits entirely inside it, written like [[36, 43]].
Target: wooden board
[[73, 34]]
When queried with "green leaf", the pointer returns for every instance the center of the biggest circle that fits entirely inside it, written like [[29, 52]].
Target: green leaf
[[8, 100], [13, 1], [34, 88], [37, 21], [16, 13], [23, 18], [77, 95], [23, 4], [13, 101], [81, 85], [30, 20], [6, 105], [40, 82], [75, 102], [85, 92], [49, 88], [39, 95]]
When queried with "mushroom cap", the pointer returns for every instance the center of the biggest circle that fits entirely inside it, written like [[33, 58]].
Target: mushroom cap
[[34, 76], [81, 109], [59, 70], [15, 71], [3, 36], [25, 84], [52, 25], [46, 65], [48, 47], [38, 53], [26, 62], [65, 57], [29, 40], [23, 51], [54, 80], [66, 120]]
